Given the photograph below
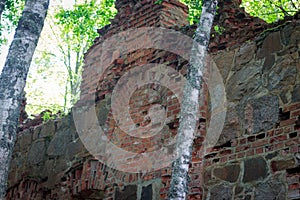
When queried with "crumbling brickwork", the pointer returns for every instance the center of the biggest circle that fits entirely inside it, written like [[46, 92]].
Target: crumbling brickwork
[[257, 156]]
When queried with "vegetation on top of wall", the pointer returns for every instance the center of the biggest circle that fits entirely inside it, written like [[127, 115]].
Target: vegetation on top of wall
[[268, 10], [271, 10]]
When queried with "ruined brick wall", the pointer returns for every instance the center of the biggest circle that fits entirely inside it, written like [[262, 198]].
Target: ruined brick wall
[[256, 156]]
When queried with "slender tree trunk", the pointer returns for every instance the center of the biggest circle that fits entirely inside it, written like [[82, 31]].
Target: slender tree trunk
[[190, 105], [66, 96], [13, 78], [2, 6]]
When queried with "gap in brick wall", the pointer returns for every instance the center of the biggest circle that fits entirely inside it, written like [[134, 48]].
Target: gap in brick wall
[[284, 115], [297, 123]]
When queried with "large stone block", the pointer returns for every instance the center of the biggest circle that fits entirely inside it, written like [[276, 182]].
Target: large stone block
[[271, 44], [66, 121], [282, 76], [147, 193], [231, 127], [48, 129], [286, 34], [244, 83], [25, 139], [262, 114], [268, 64], [296, 94], [36, 153], [58, 144], [128, 193], [74, 148], [270, 190], [224, 60], [244, 55], [228, 173], [255, 169], [221, 192]]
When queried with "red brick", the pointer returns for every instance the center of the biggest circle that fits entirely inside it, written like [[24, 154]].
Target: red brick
[[287, 122], [292, 142], [278, 131], [259, 150], [294, 186], [295, 113], [279, 145], [259, 143], [225, 152], [234, 143], [232, 157], [207, 163], [288, 129], [242, 141], [241, 155], [241, 148], [292, 107], [270, 133], [224, 159], [294, 149]]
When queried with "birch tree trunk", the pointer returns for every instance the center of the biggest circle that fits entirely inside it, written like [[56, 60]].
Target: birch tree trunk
[[190, 105], [13, 78], [2, 6]]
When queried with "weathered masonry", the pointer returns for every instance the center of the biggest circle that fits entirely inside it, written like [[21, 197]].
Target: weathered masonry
[[257, 155]]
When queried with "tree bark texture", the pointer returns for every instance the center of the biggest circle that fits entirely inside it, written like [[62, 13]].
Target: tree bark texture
[[2, 6], [13, 79], [190, 105]]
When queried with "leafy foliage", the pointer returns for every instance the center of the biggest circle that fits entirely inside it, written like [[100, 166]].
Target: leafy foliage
[[268, 10], [43, 75], [59, 66], [47, 115], [219, 29], [271, 10], [195, 9], [10, 17], [78, 27]]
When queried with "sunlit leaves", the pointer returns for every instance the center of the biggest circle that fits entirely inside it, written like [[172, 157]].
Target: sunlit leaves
[[271, 10], [195, 9], [78, 27], [13, 10], [10, 17], [80, 24], [268, 10], [41, 77]]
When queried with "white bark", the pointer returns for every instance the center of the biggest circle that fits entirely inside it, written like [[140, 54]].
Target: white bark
[[190, 105], [13, 78]]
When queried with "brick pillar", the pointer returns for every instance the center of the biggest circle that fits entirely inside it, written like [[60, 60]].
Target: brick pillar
[[131, 14], [136, 14]]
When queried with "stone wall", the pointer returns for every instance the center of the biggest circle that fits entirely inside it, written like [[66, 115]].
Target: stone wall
[[258, 152], [256, 157]]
